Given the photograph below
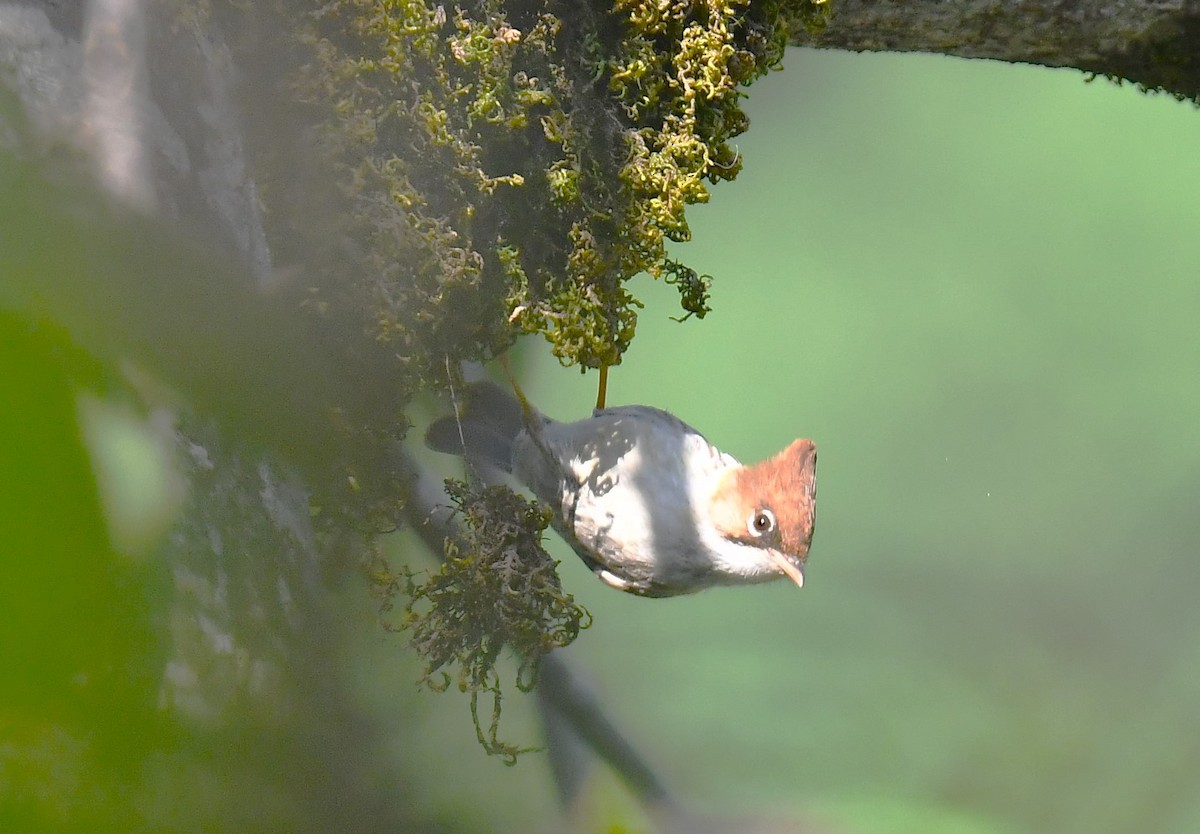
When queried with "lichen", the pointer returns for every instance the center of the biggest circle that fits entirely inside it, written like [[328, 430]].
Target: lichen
[[693, 288], [497, 588]]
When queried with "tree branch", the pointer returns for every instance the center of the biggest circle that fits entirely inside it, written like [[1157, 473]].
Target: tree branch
[[1152, 44]]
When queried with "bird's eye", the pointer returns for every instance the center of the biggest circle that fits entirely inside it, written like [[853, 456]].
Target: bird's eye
[[761, 522]]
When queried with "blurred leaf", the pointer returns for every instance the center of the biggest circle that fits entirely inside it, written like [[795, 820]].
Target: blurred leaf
[[129, 288], [77, 684]]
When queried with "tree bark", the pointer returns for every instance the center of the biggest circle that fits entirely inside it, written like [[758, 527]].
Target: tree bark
[[1153, 44]]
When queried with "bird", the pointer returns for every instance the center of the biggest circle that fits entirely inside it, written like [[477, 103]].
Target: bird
[[650, 506]]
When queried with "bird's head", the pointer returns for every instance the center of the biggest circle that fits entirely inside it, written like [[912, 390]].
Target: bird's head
[[771, 506]]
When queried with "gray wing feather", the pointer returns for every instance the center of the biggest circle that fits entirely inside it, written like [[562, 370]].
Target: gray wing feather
[[624, 485]]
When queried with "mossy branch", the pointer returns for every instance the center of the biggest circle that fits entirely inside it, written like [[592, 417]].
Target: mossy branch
[[513, 164]]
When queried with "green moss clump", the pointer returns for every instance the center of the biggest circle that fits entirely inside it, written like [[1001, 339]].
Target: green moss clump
[[496, 588], [513, 164]]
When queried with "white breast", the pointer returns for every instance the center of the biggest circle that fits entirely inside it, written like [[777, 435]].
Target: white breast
[[627, 484]]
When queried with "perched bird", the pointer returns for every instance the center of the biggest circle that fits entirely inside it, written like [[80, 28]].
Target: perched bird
[[645, 501]]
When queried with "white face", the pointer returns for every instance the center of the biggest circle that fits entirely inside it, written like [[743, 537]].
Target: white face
[[766, 514], [739, 563]]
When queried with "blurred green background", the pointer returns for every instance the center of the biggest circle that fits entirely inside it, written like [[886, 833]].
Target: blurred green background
[[975, 286]]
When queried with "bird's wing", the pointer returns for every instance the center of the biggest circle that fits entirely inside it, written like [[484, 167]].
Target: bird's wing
[[625, 486]]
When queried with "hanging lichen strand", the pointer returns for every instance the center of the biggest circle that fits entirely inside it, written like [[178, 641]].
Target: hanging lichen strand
[[513, 163], [497, 589]]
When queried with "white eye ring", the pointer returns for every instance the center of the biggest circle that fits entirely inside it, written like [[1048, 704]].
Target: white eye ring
[[760, 522]]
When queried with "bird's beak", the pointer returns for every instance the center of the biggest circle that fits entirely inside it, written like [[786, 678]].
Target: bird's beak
[[794, 570]]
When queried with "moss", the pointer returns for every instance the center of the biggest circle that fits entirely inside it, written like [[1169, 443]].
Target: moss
[[513, 164], [497, 588], [693, 288]]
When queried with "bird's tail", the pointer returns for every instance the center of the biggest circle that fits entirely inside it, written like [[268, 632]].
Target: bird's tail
[[488, 421]]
